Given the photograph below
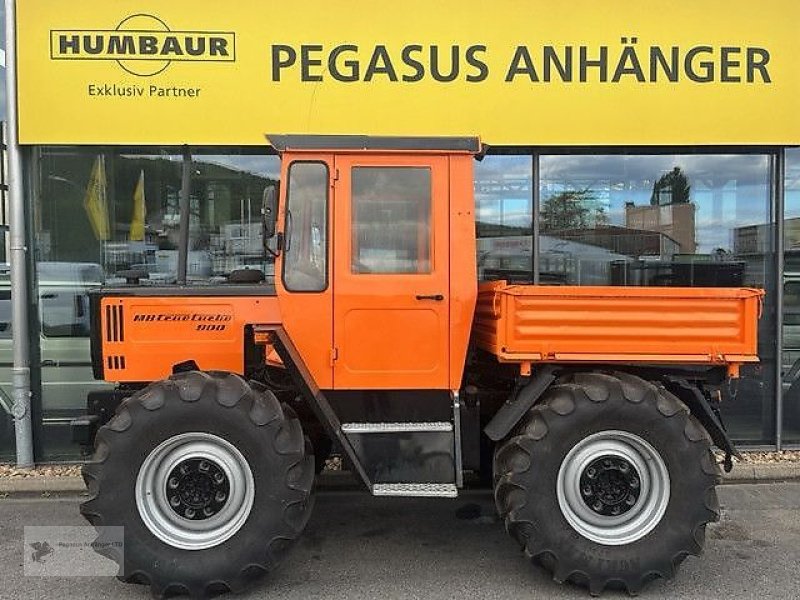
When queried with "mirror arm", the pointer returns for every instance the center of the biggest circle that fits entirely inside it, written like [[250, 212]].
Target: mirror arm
[[278, 246]]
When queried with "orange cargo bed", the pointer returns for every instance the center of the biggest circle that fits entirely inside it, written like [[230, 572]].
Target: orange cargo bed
[[532, 323]]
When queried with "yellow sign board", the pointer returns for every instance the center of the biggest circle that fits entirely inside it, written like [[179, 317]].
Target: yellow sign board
[[514, 72]]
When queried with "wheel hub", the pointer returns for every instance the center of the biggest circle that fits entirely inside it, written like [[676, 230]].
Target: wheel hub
[[194, 490], [613, 487], [610, 485], [197, 489]]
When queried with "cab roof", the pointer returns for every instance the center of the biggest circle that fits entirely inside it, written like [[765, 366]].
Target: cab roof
[[302, 142]]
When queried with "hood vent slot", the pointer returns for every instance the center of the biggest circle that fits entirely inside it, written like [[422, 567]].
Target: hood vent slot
[[115, 327]]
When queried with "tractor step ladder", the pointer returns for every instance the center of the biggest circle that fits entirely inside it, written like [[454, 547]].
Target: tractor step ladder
[[412, 427], [432, 490], [406, 458]]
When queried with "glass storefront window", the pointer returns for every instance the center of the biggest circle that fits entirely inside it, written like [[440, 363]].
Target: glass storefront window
[[675, 220], [121, 211], [697, 220], [504, 217], [104, 216], [790, 364], [6, 422], [225, 215], [657, 220]]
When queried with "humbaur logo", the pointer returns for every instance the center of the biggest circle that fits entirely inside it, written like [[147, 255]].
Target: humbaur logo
[[143, 45]]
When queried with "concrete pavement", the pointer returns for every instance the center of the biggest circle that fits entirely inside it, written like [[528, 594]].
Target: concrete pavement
[[37, 484], [361, 547]]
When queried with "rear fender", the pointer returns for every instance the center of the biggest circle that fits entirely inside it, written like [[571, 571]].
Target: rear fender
[[707, 413]]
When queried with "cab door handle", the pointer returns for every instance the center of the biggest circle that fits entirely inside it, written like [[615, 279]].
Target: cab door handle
[[434, 297]]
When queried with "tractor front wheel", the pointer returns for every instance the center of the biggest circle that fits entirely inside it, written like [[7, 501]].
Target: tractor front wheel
[[209, 478]]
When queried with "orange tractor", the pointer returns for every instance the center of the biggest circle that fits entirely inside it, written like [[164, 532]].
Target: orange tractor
[[592, 411]]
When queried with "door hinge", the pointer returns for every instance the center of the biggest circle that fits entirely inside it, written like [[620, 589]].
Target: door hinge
[[334, 355], [336, 174]]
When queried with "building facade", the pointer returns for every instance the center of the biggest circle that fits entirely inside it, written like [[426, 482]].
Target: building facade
[[652, 183]]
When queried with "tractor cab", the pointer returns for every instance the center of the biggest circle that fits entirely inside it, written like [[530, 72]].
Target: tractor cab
[[375, 272]]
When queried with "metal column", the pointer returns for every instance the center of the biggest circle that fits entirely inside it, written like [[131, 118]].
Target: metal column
[[778, 183], [535, 200], [21, 373], [183, 243]]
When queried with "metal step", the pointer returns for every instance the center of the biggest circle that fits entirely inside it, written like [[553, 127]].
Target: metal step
[[416, 427], [427, 490]]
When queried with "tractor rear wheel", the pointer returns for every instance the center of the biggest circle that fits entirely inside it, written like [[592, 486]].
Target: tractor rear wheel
[[210, 479], [608, 482]]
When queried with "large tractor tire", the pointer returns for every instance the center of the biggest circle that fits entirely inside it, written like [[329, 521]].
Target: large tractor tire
[[210, 479], [607, 482]]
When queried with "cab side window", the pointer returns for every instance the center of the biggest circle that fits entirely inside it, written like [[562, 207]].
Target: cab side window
[[305, 263]]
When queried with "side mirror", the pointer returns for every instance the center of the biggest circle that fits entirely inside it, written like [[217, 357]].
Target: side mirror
[[269, 211]]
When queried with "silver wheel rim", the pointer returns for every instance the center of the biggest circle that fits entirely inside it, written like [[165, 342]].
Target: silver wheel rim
[[153, 502], [646, 510]]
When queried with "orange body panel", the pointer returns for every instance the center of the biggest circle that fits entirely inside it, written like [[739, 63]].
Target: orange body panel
[[528, 324], [385, 337], [308, 316], [144, 336], [463, 267]]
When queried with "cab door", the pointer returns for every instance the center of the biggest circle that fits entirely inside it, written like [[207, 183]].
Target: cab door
[[391, 272], [302, 277]]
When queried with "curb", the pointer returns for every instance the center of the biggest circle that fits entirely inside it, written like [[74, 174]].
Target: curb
[[41, 484], [742, 473], [751, 473]]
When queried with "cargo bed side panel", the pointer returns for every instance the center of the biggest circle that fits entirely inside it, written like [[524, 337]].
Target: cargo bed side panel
[[557, 323]]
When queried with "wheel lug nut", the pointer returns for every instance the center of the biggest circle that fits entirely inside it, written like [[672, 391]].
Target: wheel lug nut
[[219, 477], [615, 511], [597, 506], [173, 483], [184, 469], [189, 513], [591, 472], [219, 496], [174, 501], [623, 467], [634, 483], [208, 511], [203, 466], [630, 500], [587, 491]]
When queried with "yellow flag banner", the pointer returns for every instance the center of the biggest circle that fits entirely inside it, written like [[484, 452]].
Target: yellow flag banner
[[139, 211], [96, 200]]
